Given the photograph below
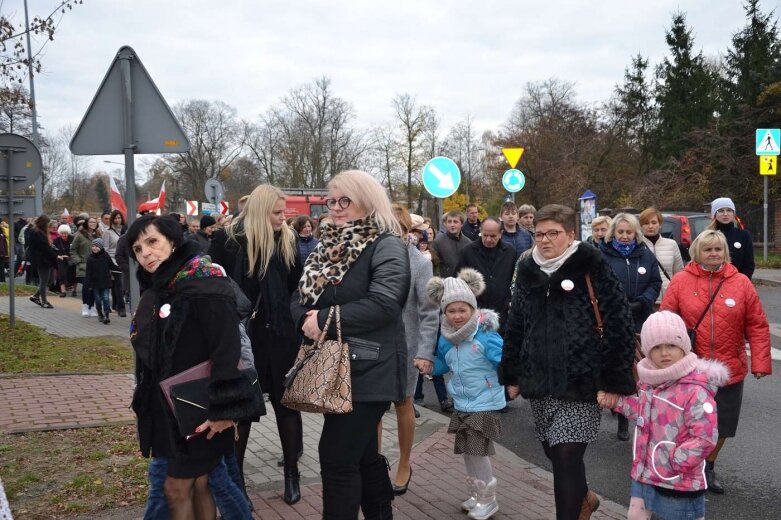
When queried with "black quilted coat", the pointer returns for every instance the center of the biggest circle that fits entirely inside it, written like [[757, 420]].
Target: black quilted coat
[[551, 345]]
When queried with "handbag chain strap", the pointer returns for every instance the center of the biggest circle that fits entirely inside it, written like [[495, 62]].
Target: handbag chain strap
[[595, 304]]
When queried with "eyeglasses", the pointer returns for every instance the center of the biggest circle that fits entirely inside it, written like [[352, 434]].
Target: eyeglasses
[[551, 235], [344, 202]]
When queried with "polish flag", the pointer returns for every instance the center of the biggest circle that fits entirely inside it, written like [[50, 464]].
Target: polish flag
[[116, 199], [154, 204]]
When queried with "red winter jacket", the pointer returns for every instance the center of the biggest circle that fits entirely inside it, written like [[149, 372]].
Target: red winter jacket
[[736, 314]]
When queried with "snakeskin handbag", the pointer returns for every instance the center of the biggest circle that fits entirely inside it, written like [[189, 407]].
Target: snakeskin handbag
[[319, 381]]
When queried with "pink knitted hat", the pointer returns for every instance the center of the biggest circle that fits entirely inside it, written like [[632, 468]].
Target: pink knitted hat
[[664, 327]]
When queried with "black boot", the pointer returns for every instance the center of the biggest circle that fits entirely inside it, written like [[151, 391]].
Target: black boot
[[714, 486], [623, 428], [292, 485], [377, 491]]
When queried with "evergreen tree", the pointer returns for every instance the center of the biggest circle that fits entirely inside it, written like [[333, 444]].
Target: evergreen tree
[[102, 193], [684, 91], [634, 108], [754, 61]]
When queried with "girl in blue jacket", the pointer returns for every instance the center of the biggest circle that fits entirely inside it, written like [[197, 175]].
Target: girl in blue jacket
[[470, 347]]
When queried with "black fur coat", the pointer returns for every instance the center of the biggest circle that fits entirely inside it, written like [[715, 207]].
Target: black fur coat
[[551, 346]]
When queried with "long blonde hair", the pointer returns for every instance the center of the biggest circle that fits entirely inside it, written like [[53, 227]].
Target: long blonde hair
[[364, 190], [254, 223]]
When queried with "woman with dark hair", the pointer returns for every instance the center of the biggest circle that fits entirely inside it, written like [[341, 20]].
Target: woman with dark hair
[[111, 236], [187, 315], [306, 238], [259, 252], [81, 248], [555, 356], [43, 257]]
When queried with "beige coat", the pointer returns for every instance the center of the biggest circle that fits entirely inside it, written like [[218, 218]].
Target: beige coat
[[669, 257]]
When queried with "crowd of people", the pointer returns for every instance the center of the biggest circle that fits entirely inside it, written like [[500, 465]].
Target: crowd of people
[[510, 306]]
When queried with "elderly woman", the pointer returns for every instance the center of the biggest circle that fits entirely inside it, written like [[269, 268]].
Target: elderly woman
[[307, 242], [259, 252], [666, 250], [741, 247], [723, 308], [555, 356], [599, 227], [363, 266], [187, 315]]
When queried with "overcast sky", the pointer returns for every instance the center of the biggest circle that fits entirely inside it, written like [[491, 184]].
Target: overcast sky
[[462, 57]]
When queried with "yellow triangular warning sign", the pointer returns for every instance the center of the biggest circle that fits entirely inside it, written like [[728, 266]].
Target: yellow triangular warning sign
[[513, 155]]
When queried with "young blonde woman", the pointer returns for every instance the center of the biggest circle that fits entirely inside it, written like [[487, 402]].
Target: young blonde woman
[[258, 250]]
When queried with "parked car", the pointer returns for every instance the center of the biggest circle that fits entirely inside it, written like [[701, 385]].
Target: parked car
[[683, 227]]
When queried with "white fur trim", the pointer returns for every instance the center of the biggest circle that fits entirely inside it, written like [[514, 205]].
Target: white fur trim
[[716, 371]]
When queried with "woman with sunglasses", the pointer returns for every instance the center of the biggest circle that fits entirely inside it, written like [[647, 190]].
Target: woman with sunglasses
[[741, 247], [361, 265], [555, 356]]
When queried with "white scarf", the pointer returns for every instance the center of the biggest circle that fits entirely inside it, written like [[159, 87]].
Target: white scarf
[[551, 266]]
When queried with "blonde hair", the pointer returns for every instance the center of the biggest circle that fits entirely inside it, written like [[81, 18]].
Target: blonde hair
[[624, 217], [602, 219], [706, 238], [254, 223], [364, 190]]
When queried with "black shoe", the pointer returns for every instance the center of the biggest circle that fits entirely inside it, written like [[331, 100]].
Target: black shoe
[[106, 321], [122, 314], [714, 486], [63, 295], [292, 487], [623, 428], [446, 405], [281, 460], [47, 305], [36, 300], [400, 490], [417, 413]]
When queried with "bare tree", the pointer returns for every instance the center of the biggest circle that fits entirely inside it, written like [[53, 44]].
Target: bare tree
[[386, 143], [412, 119], [462, 146], [262, 141]]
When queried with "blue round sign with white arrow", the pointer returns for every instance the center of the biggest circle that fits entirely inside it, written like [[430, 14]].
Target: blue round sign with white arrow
[[513, 180], [441, 177]]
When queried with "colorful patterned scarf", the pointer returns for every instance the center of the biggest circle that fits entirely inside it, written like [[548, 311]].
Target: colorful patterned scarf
[[338, 249]]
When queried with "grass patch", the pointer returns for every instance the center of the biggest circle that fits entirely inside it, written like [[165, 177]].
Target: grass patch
[[19, 289], [29, 349], [56, 474], [773, 261]]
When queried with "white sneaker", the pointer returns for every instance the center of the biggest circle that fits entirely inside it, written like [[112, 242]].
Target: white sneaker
[[93, 311], [471, 502], [85, 310], [486, 505]]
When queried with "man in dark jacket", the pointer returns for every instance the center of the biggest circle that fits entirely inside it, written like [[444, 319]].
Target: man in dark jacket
[[448, 246], [495, 260], [203, 236], [471, 228], [512, 233]]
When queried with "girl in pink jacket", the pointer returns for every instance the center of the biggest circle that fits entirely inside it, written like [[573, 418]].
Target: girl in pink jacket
[[675, 417]]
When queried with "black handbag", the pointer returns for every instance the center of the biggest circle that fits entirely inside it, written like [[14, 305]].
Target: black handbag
[[693, 331]]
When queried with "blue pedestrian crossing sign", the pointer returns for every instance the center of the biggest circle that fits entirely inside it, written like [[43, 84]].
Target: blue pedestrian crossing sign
[[513, 180], [441, 177], [768, 140]]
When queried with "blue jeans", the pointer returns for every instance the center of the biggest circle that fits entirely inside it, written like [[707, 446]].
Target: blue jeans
[[102, 303], [227, 495]]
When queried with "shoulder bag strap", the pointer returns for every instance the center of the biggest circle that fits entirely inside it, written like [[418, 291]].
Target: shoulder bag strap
[[328, 324], [595, 304], [710, 302], [665, 272]]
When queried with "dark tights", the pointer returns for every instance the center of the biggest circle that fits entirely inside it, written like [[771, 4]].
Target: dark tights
[[569, 477]]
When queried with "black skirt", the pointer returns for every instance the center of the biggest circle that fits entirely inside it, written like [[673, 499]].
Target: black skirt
[[728, 400]]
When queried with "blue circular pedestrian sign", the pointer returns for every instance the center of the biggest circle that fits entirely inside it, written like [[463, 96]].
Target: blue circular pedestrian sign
[[441, 177], [513, 180]]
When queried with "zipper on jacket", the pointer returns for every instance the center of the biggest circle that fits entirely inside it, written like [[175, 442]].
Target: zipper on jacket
[[461, 379], [712, 319]]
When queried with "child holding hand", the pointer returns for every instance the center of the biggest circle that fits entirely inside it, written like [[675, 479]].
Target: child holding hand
[[470, 347], [675, 417]]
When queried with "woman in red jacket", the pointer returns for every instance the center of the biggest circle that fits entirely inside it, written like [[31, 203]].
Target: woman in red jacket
[[735, 314]]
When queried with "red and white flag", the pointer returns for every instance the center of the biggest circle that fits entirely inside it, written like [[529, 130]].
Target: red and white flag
[[117, 202], [154, 204]]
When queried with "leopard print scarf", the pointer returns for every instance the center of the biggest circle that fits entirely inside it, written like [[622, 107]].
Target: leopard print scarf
[[339, 247]]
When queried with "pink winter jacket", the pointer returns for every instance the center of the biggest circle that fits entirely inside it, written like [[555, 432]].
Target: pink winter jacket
[[676, 426]]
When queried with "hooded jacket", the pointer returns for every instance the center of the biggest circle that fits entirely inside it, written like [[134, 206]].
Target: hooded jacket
[[551, 346], [736, 314], [639, 276], [474, 384], [676, 427]]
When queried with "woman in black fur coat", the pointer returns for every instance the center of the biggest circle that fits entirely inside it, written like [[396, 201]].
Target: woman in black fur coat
[[187, 315], [554, 355]]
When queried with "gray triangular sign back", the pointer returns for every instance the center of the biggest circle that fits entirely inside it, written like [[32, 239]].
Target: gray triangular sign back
[[155, 128]]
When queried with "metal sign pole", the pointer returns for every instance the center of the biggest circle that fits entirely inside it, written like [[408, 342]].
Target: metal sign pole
[[130, 177], [11, 256], [764, 224]]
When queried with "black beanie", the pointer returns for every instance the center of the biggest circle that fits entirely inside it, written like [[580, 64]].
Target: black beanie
[[207, 220]]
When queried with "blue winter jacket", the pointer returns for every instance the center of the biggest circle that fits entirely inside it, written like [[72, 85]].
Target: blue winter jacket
[[521, 239], [474, 384]]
